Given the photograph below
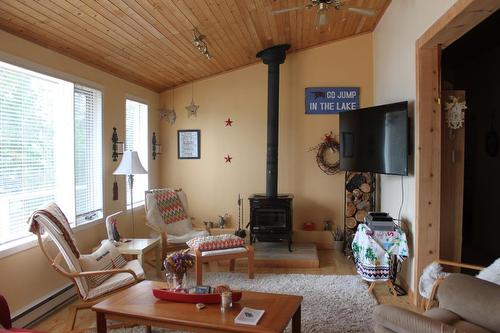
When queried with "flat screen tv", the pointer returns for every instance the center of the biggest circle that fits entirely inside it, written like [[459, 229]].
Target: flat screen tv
[[375, 139]]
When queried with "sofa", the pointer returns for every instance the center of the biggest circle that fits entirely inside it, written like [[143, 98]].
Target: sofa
[[466, 304], [6, 322]]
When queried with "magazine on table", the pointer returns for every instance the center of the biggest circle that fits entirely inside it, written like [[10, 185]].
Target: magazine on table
[[248, 316]]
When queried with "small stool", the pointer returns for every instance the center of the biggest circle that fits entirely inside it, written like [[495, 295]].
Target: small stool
[[224, 254]]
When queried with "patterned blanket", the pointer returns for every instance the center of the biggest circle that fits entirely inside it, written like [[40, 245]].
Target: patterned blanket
[[376, 253], [54, 214], [170, 206]]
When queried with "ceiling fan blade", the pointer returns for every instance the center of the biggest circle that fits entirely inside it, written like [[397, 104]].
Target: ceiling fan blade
[[286, 10], [362, 11]]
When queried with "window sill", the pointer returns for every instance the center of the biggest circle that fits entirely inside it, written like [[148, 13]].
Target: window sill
[[29, 242], [16, 246], [88, 224], [137, 206]]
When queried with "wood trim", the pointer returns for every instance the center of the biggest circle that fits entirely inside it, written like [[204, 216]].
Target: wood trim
[[460, 18], [459, 264], [428, 159]]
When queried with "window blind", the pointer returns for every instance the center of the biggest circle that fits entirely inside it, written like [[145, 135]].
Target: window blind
[[136, 138], [36, 142], [88, 153]]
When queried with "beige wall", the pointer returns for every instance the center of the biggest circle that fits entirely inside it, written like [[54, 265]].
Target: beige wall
[[26, 276], [395, 80], [213, 186]]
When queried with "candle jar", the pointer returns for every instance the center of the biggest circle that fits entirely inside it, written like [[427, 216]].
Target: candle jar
[[226, 301]]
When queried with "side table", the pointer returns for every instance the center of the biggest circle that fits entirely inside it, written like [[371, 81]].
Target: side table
[[139, 247]]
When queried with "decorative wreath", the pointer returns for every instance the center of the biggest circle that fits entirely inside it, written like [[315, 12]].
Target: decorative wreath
[[329, 143]]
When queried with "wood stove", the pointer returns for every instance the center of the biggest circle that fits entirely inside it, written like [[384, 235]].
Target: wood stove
[[271, 216]]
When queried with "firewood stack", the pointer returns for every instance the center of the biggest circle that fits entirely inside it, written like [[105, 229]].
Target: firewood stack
[[359, 200]]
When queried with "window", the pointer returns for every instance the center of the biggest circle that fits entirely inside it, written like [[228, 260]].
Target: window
[[41, 141], [88, 156], [136, 138]]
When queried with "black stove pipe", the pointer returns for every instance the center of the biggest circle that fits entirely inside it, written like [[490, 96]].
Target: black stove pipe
[[273, 57]]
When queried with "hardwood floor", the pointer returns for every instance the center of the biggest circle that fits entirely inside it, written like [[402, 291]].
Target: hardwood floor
[[331, 262]]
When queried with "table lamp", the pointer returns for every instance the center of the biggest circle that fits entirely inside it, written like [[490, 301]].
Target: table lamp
[[130, 165]]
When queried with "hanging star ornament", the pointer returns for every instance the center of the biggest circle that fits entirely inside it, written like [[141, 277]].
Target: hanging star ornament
[[227, 159], [229, 122], [192, 109]]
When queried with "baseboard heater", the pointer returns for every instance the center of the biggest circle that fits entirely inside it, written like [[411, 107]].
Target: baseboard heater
[[44, 306]]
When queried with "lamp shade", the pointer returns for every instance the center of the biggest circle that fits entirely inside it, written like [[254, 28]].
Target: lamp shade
[[130, 164]]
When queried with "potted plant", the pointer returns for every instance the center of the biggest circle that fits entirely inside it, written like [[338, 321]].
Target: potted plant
[[338, 239]]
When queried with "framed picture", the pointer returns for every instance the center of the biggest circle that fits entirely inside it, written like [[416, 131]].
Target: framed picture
[[188, 144]]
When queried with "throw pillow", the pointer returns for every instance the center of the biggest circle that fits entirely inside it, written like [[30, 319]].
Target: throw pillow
[[491, 273], [106, 257], [219, 242]]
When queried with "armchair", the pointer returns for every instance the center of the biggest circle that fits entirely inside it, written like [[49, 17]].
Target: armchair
[[466, 304], [91, 286], [428, 303], [167, 214]]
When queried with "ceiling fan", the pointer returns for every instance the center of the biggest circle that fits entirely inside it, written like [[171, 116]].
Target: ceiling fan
[[323, 7]]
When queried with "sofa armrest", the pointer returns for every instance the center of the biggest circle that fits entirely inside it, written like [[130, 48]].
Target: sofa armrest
[[473, 299], [5, 320], [400, 320]]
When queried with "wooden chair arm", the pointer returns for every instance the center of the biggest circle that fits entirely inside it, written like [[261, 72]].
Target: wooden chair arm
[[458, 264], [109, 272], [435, 286], [439, 280]]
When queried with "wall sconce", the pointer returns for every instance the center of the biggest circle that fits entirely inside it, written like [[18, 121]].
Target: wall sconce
[[156, 147], [114, 139]]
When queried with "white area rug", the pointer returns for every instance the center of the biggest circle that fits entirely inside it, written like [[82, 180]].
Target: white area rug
[[332, 303]]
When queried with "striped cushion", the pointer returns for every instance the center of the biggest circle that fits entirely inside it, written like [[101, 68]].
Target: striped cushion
[[106, 257], [118, 280], [209, 243]]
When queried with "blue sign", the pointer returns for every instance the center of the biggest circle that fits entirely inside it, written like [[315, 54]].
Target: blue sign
[[331, 100]]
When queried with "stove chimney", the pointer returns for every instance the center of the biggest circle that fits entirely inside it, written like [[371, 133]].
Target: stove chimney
[[273, 57]]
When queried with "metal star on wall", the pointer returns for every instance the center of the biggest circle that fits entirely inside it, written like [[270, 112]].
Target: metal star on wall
[[192, 109]]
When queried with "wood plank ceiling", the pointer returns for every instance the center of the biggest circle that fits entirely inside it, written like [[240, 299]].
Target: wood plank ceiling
[[149, 41]]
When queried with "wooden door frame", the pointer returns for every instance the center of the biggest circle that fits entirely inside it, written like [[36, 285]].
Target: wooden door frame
[[459, 19]]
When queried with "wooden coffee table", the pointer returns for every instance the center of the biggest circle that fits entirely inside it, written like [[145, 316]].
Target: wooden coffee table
[[137, 305]]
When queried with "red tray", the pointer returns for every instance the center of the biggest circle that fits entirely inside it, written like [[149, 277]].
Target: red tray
[[169, 295]]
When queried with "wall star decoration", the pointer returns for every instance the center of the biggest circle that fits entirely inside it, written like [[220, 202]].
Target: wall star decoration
[[228, 158], [192, 108], [229, 122], [169, 114]]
